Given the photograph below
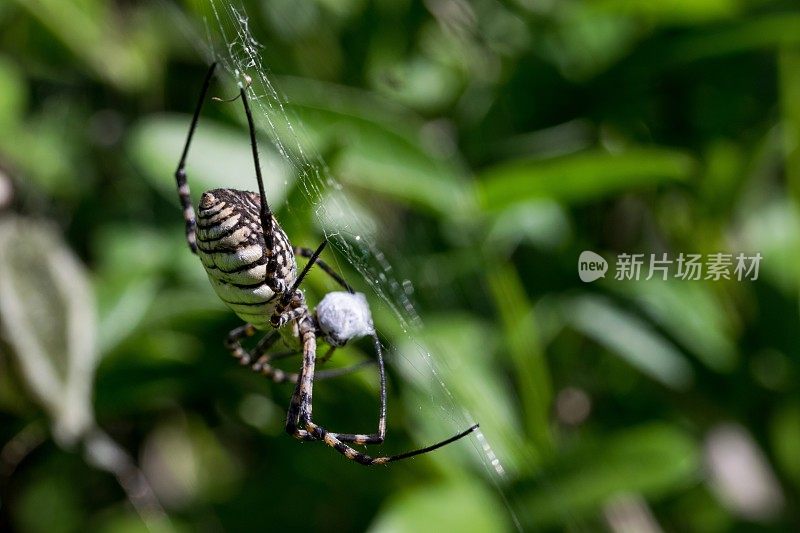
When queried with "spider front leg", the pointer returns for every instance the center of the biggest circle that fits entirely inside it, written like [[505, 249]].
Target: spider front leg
[[294, 309], [180, 174], [292, 303], [277, 252], [309, 253]]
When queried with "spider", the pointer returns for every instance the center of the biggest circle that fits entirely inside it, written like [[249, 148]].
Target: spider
[[251, 266]]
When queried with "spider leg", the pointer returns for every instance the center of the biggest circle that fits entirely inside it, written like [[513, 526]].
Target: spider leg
[[234, 343], [299, 422], [180, 174], [289, 353], [325, 358], [320, 433], [358, 438], [260, 365], [291, 305], [271, 251], [292, 310], [259, 361], [300, 405], [336, 372], [308, 252], [380, 435]]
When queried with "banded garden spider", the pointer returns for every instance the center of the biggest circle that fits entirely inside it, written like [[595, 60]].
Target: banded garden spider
[[251, 265]]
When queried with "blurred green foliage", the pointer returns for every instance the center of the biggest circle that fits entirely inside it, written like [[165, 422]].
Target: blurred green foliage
[[485, 144]]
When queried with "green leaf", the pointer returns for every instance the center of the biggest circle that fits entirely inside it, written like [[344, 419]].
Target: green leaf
[[426, 85], [690, 12], [57, 495], [692, 313], [582, 177], [541, 223], [127, 312], [220, 157], [92, 32], [785, 439], [123, 520], [654, 460], [521, 337], [186, 462], [14, 91], [49, 320], [456, 351], [630, 338], [453, 507], [789, 62], [586, 41], [773, 229], [376, 145], [743, 35]]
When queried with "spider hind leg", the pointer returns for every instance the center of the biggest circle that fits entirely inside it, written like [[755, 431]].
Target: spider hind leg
[[300, 424], [261, 362]]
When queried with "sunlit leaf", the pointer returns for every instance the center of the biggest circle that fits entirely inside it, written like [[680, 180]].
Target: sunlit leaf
[[586, 40], [627, 336], [419, 83], [773, 230], [90, 31], [48, 317], [220, 157], [521, 338], [461, 507], [127, 312], [540, 223], [580, 177], [376, 145], [12, 87], [692, 313]]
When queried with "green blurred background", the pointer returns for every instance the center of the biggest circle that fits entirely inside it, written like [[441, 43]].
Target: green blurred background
[[483, 145]]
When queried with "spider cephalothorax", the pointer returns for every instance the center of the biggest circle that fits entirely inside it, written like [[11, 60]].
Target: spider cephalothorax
[[251, 265]]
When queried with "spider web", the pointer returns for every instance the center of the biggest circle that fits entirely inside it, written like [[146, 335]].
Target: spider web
[[229, 41]]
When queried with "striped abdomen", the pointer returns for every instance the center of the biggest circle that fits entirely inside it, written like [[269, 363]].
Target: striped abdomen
[[230, 244]]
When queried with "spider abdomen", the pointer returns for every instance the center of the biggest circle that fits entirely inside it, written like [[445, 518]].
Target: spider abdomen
[[230, 244]]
